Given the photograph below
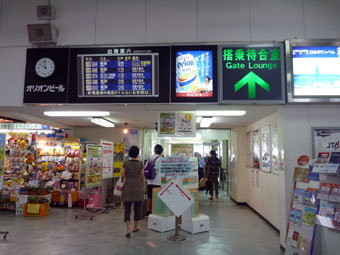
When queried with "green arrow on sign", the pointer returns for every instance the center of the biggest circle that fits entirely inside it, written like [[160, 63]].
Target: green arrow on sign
[[251, 78]]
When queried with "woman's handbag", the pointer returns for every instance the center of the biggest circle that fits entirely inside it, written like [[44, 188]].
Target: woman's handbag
[[203, 182], [119, 188]]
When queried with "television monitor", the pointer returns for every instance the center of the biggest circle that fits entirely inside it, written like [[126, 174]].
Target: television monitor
[[313, 71], [194, 74]]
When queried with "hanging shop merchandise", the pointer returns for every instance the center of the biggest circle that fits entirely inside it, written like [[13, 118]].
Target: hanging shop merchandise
[[118, 159]]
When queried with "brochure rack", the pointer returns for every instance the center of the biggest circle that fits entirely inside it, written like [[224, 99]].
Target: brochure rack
[[301, 229], [328, 215]]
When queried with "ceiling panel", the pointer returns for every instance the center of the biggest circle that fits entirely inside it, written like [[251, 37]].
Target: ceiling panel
[[137, 116]]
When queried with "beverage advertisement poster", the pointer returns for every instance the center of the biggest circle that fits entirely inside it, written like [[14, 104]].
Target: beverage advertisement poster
[[93, 165], [194, 73], [107, 159], [2, 157], [118, 159], [249, 146], [265, 149], [167, 124], [186, 124], [256, 149], [274, 139]]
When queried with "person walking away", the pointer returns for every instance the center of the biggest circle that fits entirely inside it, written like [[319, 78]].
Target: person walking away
[[213, 166], [153, 183], [133, 178]]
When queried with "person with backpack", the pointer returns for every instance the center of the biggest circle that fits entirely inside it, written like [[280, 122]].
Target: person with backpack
[[153, 178]]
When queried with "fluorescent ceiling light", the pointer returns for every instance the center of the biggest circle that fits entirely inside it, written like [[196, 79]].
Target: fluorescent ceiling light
[[206, 122], [198, 119], [220, 113], [77, 113], [102, 122]]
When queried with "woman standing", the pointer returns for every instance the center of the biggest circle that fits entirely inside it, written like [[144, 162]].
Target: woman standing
[[133, 175]]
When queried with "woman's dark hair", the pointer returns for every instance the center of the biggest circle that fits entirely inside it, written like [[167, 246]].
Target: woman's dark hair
[[209, 79], [133, 152], [158, 149]]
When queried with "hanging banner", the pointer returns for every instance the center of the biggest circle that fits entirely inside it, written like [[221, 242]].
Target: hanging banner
[[265, 149], [186, 124], [130, 139], [2, 157], [118, 159], [167, 124], [274, 139], [185, 150], [256, 149], [107, 159], [93, 165], [183, 170]]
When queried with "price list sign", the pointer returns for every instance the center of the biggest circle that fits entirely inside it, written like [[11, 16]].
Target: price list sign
[[118, 75]]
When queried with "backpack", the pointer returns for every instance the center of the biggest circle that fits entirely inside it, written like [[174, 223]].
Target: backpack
[[150, 170]]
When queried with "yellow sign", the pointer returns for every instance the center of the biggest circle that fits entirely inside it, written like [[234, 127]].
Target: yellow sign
[[33, 208], [118, 159], [187, 117]]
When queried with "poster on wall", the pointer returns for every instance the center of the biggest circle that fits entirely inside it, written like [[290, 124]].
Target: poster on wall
[[265, 149], [326, 140], [2, 157], [274, 139], [130, 139], [181, 169], [93, 166], [256, 149], [118, 159], [186, 124], [167, 124], [249, 147], [107, 159], [185, 150]]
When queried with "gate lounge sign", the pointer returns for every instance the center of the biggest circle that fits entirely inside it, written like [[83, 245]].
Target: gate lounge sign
[[252, 74]]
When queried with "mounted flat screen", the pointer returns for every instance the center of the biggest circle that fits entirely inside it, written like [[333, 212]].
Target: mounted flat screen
[[118, 75], [193, 74], [315, 72]]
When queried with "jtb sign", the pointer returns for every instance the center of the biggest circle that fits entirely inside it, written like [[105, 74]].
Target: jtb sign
[[252, 74]]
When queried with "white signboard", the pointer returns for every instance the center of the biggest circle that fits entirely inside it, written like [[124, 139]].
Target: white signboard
[[107, 159], [180, 169], [176, 198], [326, 168]]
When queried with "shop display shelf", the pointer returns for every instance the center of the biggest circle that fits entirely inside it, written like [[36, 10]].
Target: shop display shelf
[[43, 210]]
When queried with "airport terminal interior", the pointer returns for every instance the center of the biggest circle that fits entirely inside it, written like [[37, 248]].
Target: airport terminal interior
[[233, 106]]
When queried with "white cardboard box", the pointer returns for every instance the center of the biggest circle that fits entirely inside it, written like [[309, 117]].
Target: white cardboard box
[[195, 225], [160, 223]]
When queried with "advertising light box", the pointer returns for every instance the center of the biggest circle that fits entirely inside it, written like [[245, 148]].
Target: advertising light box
[[252, 74], [314, 71], [194, 75]]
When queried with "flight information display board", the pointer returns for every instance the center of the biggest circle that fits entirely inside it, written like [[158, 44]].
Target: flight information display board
[[118, 75]]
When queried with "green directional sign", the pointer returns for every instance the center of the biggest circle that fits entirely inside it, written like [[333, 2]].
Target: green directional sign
[[251, 79], [252, 74]]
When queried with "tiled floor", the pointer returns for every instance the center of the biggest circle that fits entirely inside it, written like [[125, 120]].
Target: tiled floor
[[234, 230]]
